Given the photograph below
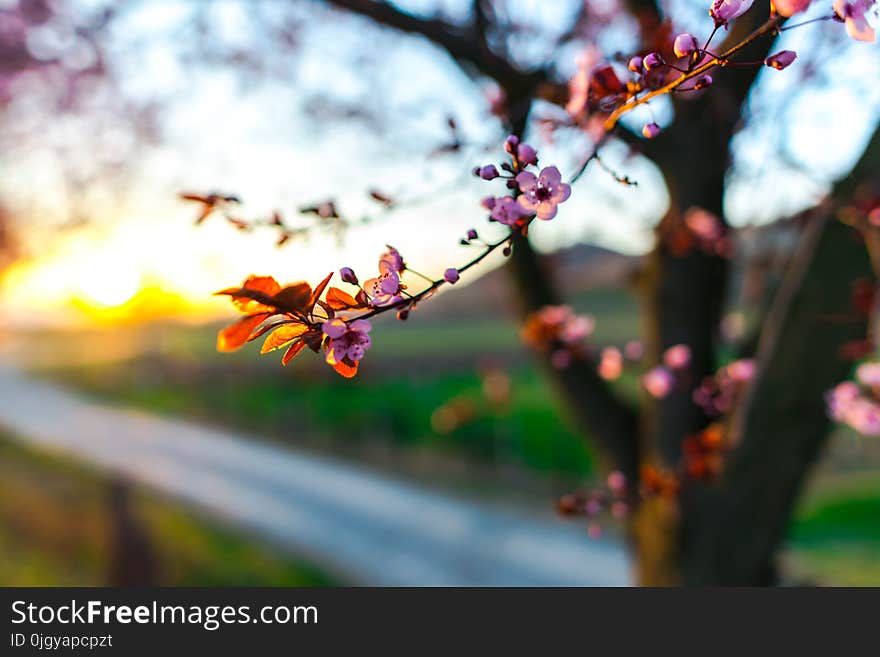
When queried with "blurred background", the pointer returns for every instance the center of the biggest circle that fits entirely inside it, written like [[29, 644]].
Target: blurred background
[[134, 453]]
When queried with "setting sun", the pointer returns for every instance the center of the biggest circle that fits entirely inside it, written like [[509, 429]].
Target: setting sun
[[108, 284]]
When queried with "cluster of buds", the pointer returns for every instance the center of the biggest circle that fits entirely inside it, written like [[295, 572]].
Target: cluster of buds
[[612, 360], [598, 95], [857, 403], [703, 454], [661, 379], [717, 394], [558, 332], [610, 500]]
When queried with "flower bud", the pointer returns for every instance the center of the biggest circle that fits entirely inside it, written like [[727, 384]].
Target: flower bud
[[635, 64], [403, 315], [653, 60], [790, 7], [702, 82], [650, 130], [684, 45], [488, 172], [511, 143], [781, 60], [472, 234], [347, 274], [451, 275], [526, 154], [726, 10]]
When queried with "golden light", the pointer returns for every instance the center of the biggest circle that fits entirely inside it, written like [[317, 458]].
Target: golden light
[[108, 283]]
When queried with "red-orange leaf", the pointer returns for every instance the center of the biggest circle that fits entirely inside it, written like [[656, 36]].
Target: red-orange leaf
[[282, 336], [346, 369], [319, 290], [339, 300], [294, 297], [255, 295], [291, 353], [233, 337]]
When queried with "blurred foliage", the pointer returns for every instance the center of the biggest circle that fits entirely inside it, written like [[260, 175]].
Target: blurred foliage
[[55, 531]]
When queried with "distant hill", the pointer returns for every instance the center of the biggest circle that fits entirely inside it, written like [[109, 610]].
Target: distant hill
[[577, 269]]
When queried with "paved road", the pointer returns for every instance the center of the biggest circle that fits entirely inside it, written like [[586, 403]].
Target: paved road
[[368, 527]]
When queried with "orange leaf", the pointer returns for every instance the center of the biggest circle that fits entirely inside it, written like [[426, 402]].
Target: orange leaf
[[282, 336], [233, 337], [294, 297], [345, 369], [291, 353], [319, 290], [255, 295], [338, 299]]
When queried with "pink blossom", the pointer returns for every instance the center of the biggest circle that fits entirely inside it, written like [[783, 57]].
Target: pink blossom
[[840, 399], [610, 364], [616, 482], [684, 45], [577, 328], [790, 7], [451, 275], [650, 130], [384, 290], [853, 12], [497, 100], [658, 381], [869, 374], [634, 350], [578, 92], [677, 357], [542, 194], [562, 324], [724, 11], [741, 370], [594, 530], [863, 415], [579, 85], [393, 260], [781, 60], [506, 210], [347, 340]]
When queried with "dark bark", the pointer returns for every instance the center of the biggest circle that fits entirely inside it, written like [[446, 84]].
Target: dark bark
[[732, 531]]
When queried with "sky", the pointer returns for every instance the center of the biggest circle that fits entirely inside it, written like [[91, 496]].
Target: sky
[[282, 140]]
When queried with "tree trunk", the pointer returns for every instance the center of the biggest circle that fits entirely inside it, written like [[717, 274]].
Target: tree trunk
[[732, 531]]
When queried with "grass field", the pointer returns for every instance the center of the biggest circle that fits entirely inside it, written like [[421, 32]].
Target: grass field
[[57, 529]]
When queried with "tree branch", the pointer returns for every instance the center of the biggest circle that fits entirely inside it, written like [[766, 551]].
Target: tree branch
[[460, 45]]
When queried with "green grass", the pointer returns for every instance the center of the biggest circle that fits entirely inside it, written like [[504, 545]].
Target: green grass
[[835, 538], [56, 529]]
